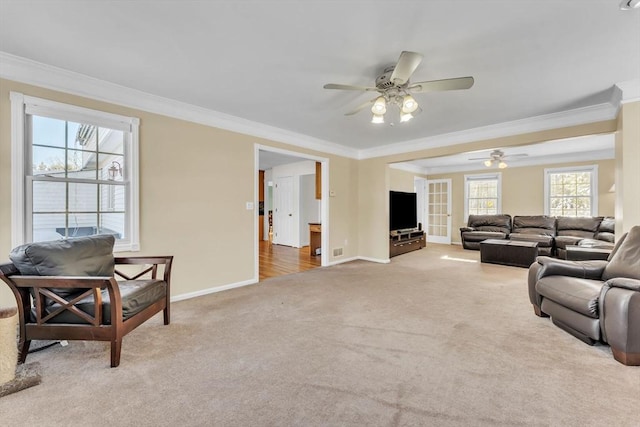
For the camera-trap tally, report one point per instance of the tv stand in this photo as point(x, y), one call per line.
point(401, 242)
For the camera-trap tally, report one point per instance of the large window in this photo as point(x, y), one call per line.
point(571, 191)
point(482, 194)
point(78, 174)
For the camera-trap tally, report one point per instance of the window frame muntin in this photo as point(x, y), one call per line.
point(23, 105)
point(593, 169)
point(497, 176)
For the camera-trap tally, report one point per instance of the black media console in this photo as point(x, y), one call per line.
point(401, 242)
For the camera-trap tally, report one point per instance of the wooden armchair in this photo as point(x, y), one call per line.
point(85, 307)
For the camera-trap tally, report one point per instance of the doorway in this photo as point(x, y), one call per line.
point(286, 193)
point(435, 201)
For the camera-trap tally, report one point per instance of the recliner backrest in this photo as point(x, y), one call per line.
point(606, 230)
point(535, 224)
point(625, 258)
point(578, 226)
point(499, 222)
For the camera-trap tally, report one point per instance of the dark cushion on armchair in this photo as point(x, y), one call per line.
point(80, 256)
point(135, 295)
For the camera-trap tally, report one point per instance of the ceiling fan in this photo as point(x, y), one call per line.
point(395, 89)
point(496, 157)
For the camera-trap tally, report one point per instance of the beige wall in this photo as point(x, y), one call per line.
point(189, 210)
point(523, 191)
point(401, 180)
point(628, 168)
point(374, 181)
point(188, 207)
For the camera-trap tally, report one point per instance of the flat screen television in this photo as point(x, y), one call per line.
point(403, 213)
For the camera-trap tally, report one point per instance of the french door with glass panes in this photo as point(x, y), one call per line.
point(438, 206)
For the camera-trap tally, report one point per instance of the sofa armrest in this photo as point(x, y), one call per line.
point(463, 229)
point(560, 267)
point(624, 283)
point(619, 308)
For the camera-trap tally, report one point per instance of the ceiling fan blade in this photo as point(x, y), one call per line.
point(407, 64)
point(360, 107)
point(516, 155)
point(480, 158)
point(349, 87)
point(445, 84)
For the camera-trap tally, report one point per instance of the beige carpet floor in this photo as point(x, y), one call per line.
point(433, 339)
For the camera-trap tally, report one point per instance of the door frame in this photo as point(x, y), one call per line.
point(324, 202)
point(425, 210)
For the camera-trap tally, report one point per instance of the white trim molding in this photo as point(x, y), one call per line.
point(27, 71)
point(31, 72)
point(21, 107)
point(593, 169)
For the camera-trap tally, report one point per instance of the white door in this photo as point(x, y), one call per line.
point(284, 218)
point(438, 227)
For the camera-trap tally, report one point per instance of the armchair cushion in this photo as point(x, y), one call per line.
point(80, 256)
point(136, 295)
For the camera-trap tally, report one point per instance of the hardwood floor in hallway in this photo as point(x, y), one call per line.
point(277, 260)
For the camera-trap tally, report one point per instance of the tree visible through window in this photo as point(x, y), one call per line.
point(482, 194)
point(571, 192)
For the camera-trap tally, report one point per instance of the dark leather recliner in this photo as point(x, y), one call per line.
point(594, 300)
point(571, 230)
point(483, 227)
point(537, 228)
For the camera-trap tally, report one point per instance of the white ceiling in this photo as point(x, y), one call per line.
point(266, 61)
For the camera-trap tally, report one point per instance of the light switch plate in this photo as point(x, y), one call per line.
point(249, 206)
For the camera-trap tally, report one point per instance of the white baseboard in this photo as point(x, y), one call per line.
point(378, 260)
point(213, 290)
point(208, 291)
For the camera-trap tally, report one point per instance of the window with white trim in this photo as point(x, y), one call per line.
point(482, 194)
point(75, 173)
point(571, 191)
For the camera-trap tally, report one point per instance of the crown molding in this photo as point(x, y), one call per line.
point(409, 167)
point(578, 116)
point(586, 156)
point(38, 74)
point(628, 91)
point(27, 71)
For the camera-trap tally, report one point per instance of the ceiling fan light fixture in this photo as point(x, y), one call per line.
point(488, 163)
point(409, 105)
point(377, 118)
point(502, 165)
point(405, 117)
point(379, 107)
point(630, 4)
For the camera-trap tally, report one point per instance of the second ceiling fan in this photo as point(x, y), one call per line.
point(395, 89)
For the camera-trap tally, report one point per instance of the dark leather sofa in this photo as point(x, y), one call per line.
point(538, 228)
point(596, 301)
point(553, 234)
point(483, 227)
